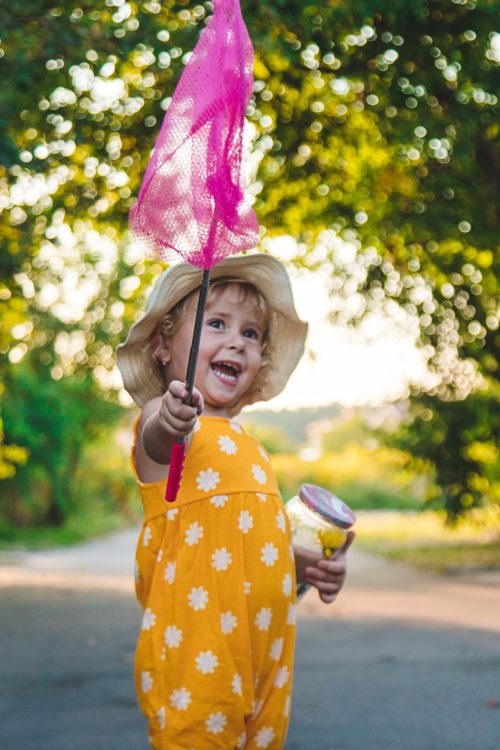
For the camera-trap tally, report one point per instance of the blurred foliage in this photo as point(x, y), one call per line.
point(376, 132)
point(274, 439)
point(348, 432)
point(55, 422)
point(422, 539)
point(367, 479)
point(461, 439)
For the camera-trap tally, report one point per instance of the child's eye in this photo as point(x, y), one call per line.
point(251, 333)
point(216, 323)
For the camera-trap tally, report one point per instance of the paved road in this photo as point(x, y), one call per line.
point(403, 661)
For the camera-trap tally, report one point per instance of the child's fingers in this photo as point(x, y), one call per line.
point(326, 587)
point(351, 535)
point(180, 427)
point(177, 389)
point(178, 417)
point(321, 580)
point(325, 584)
point(175, 399)
point(183, 411)
point(328, 576)
point(327, 598)
point(335, 572)
point(197, 401)
point(179, 410)
point(179, 392)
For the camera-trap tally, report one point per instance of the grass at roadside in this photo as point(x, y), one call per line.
point(446, 558)
point(422, 539)
point(80, 527)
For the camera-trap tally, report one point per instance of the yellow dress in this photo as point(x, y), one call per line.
point(215, 577)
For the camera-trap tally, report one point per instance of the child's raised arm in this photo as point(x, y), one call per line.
point(162, 420)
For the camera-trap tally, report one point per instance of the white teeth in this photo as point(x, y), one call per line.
point(224, 376)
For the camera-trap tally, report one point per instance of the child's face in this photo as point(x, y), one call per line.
point(230, 349)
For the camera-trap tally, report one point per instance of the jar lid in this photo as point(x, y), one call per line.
point(327, 505)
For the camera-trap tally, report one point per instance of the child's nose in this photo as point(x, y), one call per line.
point(236, 340)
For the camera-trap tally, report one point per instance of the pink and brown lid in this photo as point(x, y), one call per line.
point(327, 505)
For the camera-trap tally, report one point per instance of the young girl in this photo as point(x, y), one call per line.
point(215, 570)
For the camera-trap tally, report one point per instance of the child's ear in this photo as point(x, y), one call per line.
point(160, 348)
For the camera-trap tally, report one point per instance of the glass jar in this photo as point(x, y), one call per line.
point(319, 522)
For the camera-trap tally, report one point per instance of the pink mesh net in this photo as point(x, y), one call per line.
point(191, 201)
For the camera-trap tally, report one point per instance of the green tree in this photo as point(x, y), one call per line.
point(376, 127)
point(460, 439)
point(54, 421)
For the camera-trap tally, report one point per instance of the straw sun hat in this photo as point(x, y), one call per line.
point(143, 376)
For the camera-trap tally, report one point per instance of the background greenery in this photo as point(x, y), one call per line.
point(375, 124)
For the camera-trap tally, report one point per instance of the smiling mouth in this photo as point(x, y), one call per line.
point(227, 372)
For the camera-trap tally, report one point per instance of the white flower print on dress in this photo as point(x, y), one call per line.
point(206, 661)
point(221, 559)
point(137, 572)
point(276, 649)
point(264, 454)
point(146, 682)
point(235, 426)
point(263, 618)
point(286, 712)
point(198, 598)
point(194, 533)
point(228, 622)
point(148, 619)
point(219, 500)
point(227, 445)
point(159, 555)
point(197, 425)
point(292, 614)
point(259, 474)
point(216, 723)
point(207, 480)
point(236, 683)
point(170, 572)
point(146, 537)
point(247, 586)
point(269, 554)
point(287, 584)
point(262, 497)
point(245, 521)
point(264, 737)
point(242, 741)
point(171, 514)
point(280, 521)
point(180, 699)
point(257, 707)
point(173, 636)
point(160, 715)
point(282, 676)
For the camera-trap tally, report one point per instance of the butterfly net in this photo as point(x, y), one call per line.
point(191, 201)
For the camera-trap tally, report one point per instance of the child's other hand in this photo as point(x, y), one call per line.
point(328, 576)
point(177, 417)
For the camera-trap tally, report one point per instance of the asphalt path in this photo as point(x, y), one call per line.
point(403, 660)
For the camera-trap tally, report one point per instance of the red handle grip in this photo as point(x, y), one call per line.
point(176, 468)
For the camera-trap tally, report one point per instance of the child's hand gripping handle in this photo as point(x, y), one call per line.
point(179, 447)
point(176, 468)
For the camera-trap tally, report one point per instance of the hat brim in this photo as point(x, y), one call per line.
point(142, 375)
